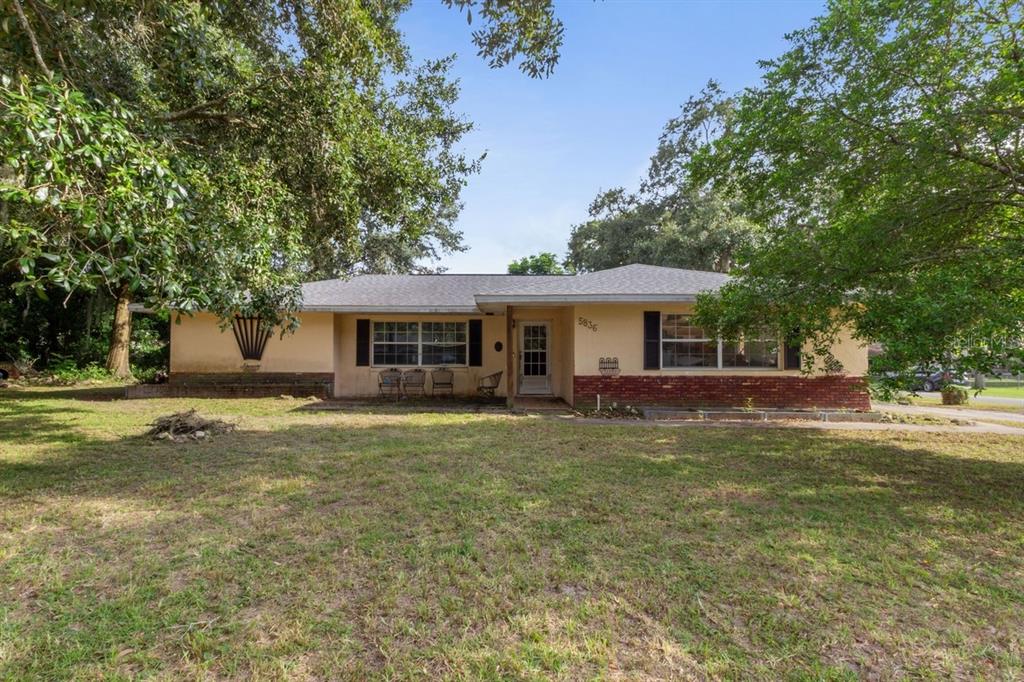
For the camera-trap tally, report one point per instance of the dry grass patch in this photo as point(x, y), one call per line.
point(401, 546)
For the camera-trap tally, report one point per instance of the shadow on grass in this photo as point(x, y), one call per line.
point(439, 525)
point(36, 421)
point(407, 406)
point(804, 466)
point(89, 393)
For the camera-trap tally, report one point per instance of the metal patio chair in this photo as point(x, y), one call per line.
point(442, 380)
point(389, 383)
point(413, 382)
point(488, 385)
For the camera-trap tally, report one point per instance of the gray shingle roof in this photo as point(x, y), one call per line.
point(467, 293)
point(414, 293)
point(628, 282)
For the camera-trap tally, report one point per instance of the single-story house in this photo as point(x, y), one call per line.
point(624, 334)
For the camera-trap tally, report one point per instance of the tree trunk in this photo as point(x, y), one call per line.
point(120, 337)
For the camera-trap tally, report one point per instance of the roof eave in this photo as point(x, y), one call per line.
point(491, 299)
point(396, 309)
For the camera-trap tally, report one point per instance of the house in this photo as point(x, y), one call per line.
point(624, 334)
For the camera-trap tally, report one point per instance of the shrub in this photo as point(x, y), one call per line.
point(954, 395)
point(67, 371)
point(149, 375)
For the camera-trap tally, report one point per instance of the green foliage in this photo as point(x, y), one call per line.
point(66, 372)
point(545, 263)
point(88, 202)
point(672, 220)
point(41, 332)
point(954, 395)
point(512, 30)
point(202, 156)
point(147, 374)
point(882, 153)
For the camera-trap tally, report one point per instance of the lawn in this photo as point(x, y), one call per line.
point(355, 545)
point(1004, 388)
point(972, 404)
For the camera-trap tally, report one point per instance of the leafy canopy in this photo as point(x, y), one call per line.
point(671, 220)
point(882, 153)
point(213, 155)
point(545, 263)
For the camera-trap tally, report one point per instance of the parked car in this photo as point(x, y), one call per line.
point(934, 379)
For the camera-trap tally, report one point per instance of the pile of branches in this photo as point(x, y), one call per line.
point(183, 426)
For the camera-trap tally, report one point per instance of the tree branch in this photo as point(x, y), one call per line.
point(195, 111)
point(32, 39)
point(957, 152)
point(202, 110)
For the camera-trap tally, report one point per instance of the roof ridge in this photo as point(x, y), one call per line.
point(652, 265)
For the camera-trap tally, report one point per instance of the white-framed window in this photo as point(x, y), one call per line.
point(756, 353)
point(686, 346)
point(411, 344)
point(443, 343)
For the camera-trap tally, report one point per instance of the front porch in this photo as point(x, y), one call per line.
point(530, 347)
point(539, 346)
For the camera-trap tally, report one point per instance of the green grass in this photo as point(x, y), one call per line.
point(1004, 388)
point(404, 546)
point(971, 405)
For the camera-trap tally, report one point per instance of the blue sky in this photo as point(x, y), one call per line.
point(625, 69)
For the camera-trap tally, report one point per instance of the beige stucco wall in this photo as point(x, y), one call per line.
point(620, 333)
point(198, 344)
point(852, 353)
point(353, 381)
point(561, 344)
point(325, 342)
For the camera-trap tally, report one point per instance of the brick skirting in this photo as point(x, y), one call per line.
point(321, 391)
point(237, 385)
point(849, 393)
point(248, 378)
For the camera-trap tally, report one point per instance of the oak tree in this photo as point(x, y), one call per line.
point(671, 220)
point(213, 155)
point(883, 155)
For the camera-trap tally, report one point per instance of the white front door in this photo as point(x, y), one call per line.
point(534, 358)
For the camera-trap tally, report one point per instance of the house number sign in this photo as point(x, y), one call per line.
point(589, 324)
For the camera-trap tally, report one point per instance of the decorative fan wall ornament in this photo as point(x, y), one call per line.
point(251, 334)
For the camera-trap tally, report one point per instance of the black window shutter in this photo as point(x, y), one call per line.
point(476, 343)
point(792, 359)
point(652, 339)
point(362, 343)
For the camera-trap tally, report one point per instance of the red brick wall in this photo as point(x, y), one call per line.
point(238, 385)
point(248, 378)
point(226, 391)
point(724, 391)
